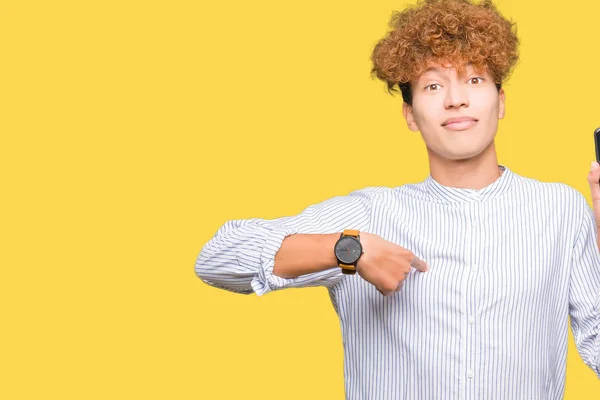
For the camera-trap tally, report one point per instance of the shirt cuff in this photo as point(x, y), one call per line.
point(265, 281)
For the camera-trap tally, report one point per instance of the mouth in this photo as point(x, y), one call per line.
point(460, 125)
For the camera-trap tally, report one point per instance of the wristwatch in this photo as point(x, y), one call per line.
point(348, 250)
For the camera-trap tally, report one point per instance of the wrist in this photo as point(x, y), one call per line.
point(348, 250)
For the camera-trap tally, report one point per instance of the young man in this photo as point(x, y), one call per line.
point(460, 286)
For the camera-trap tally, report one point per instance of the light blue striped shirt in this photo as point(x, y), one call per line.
point(508, 265)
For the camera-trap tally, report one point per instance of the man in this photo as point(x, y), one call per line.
point(460, 286)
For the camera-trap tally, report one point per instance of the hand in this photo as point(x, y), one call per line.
point(386, 265)
point(593, 178)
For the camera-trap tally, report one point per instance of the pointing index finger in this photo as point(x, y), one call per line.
point(419, 264)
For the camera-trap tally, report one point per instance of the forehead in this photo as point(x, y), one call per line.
point(445, 69)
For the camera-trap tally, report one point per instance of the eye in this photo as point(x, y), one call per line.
point(475, 78)
point(431, 87)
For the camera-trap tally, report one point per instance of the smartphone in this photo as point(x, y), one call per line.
point(597, 142)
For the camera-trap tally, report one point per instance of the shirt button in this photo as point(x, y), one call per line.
point(470, 374)
point(471, 320)
point(474, 221)
point(474, 268)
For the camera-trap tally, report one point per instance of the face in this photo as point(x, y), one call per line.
point(456, 115)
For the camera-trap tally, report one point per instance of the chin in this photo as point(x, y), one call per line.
point(460, 155)
point(461, 149)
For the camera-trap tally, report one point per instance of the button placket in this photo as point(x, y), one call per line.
point(471, 291)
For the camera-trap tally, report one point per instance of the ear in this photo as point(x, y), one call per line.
point(501, 99)
point(409, 117)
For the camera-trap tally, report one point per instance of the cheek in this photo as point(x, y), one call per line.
point(491, 119)
point(427, 115)
point(487, 104)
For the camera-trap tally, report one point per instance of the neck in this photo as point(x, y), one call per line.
point(472, 173)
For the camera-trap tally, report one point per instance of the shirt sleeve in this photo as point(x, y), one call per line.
point(584, 293)
point(240, 256)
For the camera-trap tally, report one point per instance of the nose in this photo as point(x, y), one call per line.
point(456, 96)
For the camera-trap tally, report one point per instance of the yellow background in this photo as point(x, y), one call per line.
point(131, 130)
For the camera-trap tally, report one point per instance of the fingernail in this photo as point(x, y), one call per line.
point(594, 165)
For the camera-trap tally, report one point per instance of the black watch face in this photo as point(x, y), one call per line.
point(348, 250)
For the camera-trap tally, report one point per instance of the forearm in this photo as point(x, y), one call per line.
point(259, 255)
point(302, 254)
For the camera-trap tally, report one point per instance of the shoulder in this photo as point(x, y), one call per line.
point(371, 197)
point(370, 192)
point(555, 193)
point(559, 199)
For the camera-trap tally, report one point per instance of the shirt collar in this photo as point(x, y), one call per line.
point(447, 195)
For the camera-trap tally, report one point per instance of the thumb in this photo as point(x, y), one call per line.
point(419, 264)
point(593, 178)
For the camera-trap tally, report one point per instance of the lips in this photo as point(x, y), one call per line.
point(458, 120)
point(459, 124)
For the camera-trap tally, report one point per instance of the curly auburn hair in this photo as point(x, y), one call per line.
point(456, 32)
